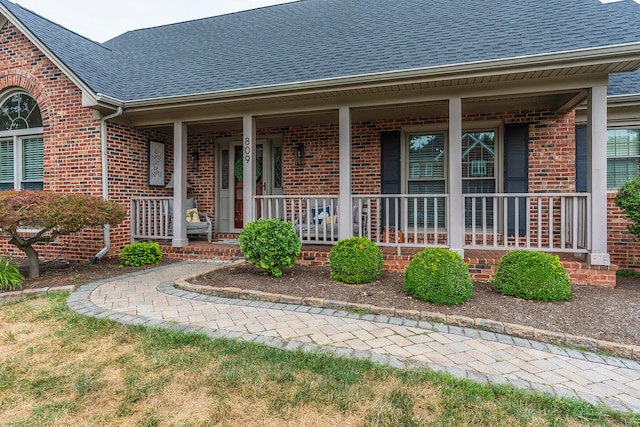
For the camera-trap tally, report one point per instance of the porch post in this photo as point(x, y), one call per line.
point(597, 173)
point(180, 239)
point(249, 168)
point(345, 218)
point(455, 225)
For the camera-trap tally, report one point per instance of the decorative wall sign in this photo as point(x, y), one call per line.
point(155, 164)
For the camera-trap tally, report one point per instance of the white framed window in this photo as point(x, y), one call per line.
point(478, 162)
point(623, 156)
point(21, 143)
point(427, 174)
point(479, 172)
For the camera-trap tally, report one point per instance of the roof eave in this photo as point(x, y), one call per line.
point(584, 57)
point(625, 99)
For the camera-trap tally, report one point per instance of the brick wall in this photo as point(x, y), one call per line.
point(202, 179)
point(71, 135)
point(128, 151)
point(622, 246)
point(72, 156)
point(552, 152)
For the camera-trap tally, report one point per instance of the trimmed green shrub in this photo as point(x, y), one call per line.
point(270, 244)
point(10, 276)
point(533, 276)
point(438, 276)
point(140, 253)
point(355, 260)
point(628, 200)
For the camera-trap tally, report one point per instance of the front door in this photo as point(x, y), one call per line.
point(238, 182)
point(230, 181)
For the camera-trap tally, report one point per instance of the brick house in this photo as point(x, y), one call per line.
point(313, 109)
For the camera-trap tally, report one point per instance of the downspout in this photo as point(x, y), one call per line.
point(105, 181)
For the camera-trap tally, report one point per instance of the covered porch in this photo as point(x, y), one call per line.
point(381, 161)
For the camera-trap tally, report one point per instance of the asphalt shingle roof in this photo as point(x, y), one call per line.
point(624, 83)
point(322, 39)
point(96, 65)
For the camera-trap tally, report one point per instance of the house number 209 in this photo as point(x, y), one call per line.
point(247, 150)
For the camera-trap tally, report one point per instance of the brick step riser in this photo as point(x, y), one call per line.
point(483, 269)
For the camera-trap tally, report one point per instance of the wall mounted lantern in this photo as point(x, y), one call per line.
point(195, 160)
point(299, 154)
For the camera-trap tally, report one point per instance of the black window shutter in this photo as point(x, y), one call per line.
point(390, 162)
point(581, 158)
point(390, 173)
point(516, 171)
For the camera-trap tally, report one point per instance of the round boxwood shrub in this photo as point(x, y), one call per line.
point(438, 276)
point(533, 276)
point(140, 253)
point(355, 260)
point(270, 244)
point(628, 200)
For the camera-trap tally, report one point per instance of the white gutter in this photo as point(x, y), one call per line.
point(632, 98)
point(105, 181)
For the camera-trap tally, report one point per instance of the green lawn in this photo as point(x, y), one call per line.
point(61, 368)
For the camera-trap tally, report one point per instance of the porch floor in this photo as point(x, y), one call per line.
point(482, 263)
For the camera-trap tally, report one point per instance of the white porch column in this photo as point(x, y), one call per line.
point(180, 239)
point(456, 201)
point(249, 168)
point(345, 221)
point(597, 173)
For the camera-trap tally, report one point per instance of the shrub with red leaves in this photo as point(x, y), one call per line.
point(51, 215)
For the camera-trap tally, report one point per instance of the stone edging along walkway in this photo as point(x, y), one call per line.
point(519, 331)
point(36, 292)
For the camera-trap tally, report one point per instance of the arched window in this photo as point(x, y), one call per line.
point(21, 143)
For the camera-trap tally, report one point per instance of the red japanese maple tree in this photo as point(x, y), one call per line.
point(48, 215)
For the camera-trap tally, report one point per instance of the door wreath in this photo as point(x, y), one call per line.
point(239, 170)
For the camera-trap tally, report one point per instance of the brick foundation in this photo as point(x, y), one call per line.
point(482, 264)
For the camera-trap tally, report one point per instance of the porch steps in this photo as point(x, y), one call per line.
point(482, 264)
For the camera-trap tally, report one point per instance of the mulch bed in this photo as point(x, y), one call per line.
point(611, 314)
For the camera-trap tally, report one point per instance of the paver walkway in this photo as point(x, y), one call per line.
point(149, 298)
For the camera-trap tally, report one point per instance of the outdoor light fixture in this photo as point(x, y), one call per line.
point(300, 154)
point(195, 159)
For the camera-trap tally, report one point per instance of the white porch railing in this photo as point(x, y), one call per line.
point(406, 220)
point(150, 218)
point(389, 220)
point(558, 222)
point(314, 217)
